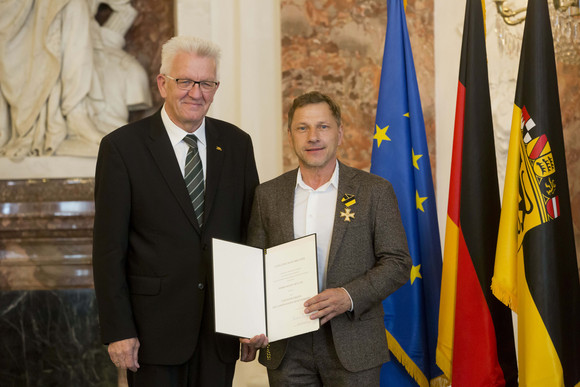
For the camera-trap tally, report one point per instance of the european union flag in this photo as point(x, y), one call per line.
point(400, 155)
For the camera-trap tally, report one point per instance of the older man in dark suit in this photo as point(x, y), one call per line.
point(362, 254)
point(164, 187)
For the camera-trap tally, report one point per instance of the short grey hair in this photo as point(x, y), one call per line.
point(190, 45)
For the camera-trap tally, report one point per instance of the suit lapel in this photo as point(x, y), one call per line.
point(285, 201)
point(164, 156)
point(215, 161)
point(345, 186)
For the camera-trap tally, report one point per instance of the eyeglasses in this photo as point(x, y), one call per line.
point(188, 84)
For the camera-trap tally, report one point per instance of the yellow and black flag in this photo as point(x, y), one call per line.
point(536, 272)
point(476, 342)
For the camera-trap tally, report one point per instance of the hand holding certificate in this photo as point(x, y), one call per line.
point(263, 291)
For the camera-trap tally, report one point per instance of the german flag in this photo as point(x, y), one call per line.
point(536, 272)
point(476, 343)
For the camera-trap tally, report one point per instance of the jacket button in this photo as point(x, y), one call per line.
point(200, 286)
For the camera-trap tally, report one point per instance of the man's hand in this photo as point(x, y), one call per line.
point(328, 304)
point(250, 346)
point(123, 353)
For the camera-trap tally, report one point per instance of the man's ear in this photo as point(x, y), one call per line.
point(161, 85)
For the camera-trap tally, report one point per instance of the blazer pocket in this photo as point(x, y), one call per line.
point(145, 286)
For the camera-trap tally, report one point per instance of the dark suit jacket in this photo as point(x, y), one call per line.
point(368, 257)
point(151, 260)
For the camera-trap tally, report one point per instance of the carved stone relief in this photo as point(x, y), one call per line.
point(65, 80)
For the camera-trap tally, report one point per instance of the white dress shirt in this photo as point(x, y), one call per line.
point(314, 211)
point(176, 136)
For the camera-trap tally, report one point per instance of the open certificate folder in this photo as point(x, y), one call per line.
point(263, 291)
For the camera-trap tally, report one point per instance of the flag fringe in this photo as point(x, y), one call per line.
point(506, 297)
point(444, 363)
point(440, 381)
point(409, 364)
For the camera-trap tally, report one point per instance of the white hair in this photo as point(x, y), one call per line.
point(190, 45)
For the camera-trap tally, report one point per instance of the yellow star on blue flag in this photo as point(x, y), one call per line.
point(419, 200)
point(381, 134)
point(415, 158)
point(415, 273)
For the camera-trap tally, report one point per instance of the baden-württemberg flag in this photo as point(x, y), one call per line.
point(536, 272)
point(400, 155)
point(476, 341)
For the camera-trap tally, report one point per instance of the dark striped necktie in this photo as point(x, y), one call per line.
point(194, 176)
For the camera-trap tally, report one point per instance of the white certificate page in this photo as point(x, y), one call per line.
point(238, 273)
point(291, 279)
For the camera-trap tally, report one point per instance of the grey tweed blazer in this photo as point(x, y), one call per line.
point(368, 257)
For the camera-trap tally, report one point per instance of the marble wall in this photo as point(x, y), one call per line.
point(569, 86)
point(46, 234)
point(48, 316)
point(51, 338)
point(153, 27)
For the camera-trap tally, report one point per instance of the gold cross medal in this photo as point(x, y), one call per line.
point(346, 214)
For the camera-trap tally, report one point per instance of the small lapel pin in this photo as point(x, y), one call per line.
point(347, 215)
point(348, 200)
point(218, 148)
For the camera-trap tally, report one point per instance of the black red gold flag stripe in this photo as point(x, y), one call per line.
point(476, 344)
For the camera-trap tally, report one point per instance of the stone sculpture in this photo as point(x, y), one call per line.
point(65, 80)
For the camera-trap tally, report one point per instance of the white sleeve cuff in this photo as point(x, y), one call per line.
point(351, 303)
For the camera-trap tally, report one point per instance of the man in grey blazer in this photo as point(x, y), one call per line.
point(361, 248)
